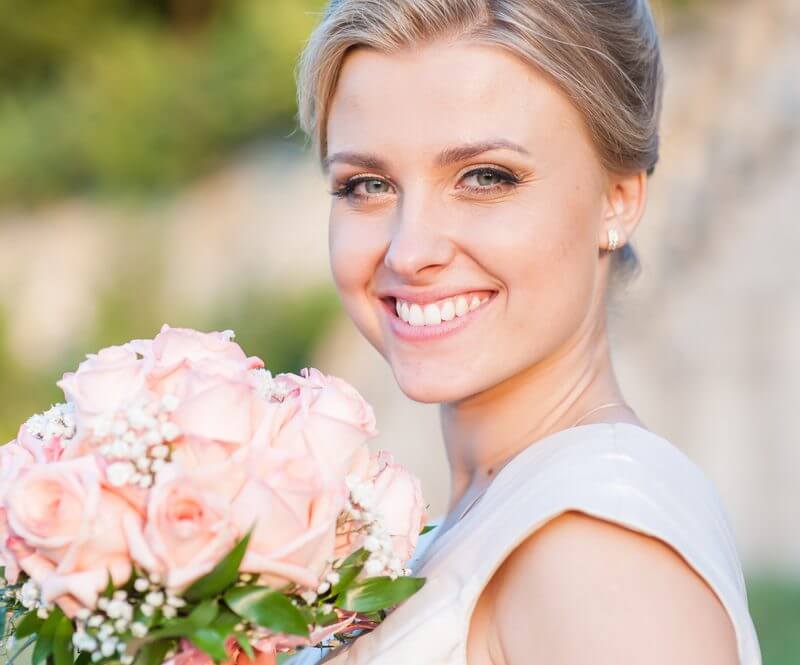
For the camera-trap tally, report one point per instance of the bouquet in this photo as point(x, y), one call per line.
point(185, 505)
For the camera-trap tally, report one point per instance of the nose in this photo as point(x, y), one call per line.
point(418, 244)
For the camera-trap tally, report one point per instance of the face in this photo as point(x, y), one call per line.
point(468, 202)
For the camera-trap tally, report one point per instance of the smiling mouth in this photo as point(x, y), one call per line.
point(434, 314)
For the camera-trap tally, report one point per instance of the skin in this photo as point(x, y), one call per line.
point(535, 358)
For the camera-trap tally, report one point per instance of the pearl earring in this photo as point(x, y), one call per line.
point(613, 239)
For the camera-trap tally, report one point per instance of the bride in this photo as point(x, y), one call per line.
point(489, 162)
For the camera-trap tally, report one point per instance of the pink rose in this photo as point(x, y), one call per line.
point(14, 458)
point(325, 417)
point(68, 532)
point(103, 383)
point(46, 449)
point(195, 453)
point(189, 528)
point(294, 510)
point(173, 345)
point(219, 409)
point(399, 503)
point(176, 350)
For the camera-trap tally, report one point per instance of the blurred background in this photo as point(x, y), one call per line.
point(151, 171)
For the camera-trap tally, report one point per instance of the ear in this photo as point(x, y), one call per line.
point(626, 197)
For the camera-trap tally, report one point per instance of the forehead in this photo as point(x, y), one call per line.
point(443, 93)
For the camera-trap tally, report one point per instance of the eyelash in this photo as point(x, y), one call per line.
point(347, 189)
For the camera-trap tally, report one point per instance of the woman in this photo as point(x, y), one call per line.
point(489, 161)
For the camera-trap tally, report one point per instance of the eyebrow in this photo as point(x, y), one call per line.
point(446, 157)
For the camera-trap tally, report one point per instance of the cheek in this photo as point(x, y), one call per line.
point(356, 250)
point(354, 255)
point(546, 255)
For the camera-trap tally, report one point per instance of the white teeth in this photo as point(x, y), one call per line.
point(415, 316)
point(433, 317)
point(432, 314)
point(448, 310)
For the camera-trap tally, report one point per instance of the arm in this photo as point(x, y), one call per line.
point(584, 590)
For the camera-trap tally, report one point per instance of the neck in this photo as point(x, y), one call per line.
point(485, 431)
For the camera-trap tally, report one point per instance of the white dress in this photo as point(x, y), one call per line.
point(619, 472)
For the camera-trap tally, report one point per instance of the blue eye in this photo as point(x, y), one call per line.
point(348, 189)
point(489, 179)
point(497, 179)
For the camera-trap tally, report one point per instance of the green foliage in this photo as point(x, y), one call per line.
point(775, 608)
point(49, 635)
point(244, 642)
point(29, 624)
point(210, 641)
point(349, 570)
point(267, 608)
point(127, 97)
point(224, 574)
point(63, 651)
point(153, 653)
point(201, 616)
point(377, 593)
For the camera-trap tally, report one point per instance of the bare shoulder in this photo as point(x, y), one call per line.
point(582, 589)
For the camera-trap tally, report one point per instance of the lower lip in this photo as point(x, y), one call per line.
point(409, 333)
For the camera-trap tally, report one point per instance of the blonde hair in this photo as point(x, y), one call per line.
point(604, 56)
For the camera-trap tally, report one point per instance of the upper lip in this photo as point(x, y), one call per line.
point(429, 295)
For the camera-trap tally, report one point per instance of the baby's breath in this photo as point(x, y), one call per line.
point(135, 441)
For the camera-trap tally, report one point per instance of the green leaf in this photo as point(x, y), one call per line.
point(44, 644)
point(225, 573)
point(378, 593)
point(63, 651)
point(28, 625)
point(267, 608)
point(200, 617)
point(349, 570)
point(326, 618)
point(427, 529)
point(210, 641)
point(177, 628)
point(152, 653)
point(212, 638)
point(84, 658)
point(225, 622)
point(244, 642)
point(109, 590)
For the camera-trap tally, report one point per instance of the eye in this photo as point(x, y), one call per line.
point(489, 180)
point(372, 187)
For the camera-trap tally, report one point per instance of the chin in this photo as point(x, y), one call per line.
point(432, 389)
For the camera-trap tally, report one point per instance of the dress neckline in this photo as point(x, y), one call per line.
point(435, 546)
